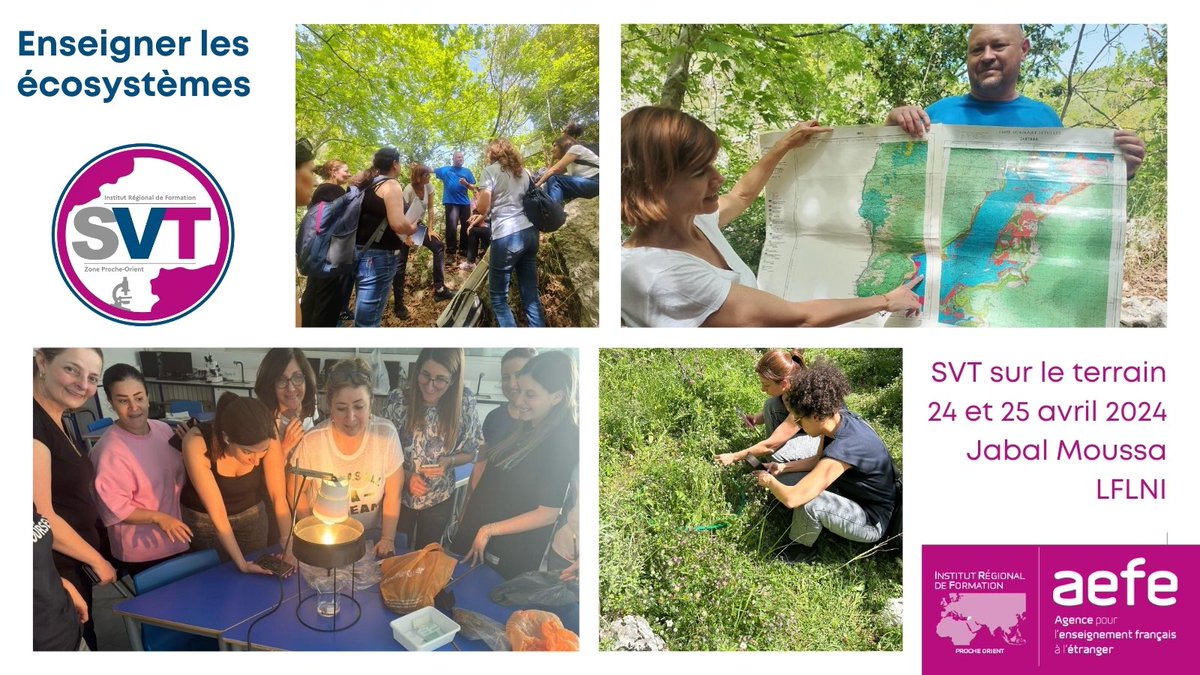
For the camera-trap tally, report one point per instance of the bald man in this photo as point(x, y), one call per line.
point(995, 53)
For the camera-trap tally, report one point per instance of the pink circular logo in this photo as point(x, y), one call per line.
point(143, 234)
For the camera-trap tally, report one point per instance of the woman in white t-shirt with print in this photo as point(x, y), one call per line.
point(355, 445)
point(576, 170)
point(514, 238)
point(418, 203)
point(676, 268)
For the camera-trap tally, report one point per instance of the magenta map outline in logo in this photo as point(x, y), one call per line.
point(178, 288)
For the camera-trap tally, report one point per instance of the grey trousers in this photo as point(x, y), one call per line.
point(249, 528)
point(802, 446)
point(829, 511)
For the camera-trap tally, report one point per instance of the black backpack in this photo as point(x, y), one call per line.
point(546, 214)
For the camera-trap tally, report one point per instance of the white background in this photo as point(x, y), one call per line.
point(247, 144)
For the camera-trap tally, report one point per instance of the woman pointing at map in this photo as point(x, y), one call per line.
point(677, 269)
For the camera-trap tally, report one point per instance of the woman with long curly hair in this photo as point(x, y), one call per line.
point(514, 238)
point(849, 487)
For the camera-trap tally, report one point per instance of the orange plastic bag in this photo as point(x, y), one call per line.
point(532, 630)
point(411, 581)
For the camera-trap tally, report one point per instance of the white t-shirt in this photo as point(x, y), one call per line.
point(508, 215)
point(417, 208)
point(377, 457)
point(665, 288)
point(582, 170)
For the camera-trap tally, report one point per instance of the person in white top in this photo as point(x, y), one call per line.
point(676, 267)
point(418, 201)
point(576, 171)
point(356, 446)
point(514, 238)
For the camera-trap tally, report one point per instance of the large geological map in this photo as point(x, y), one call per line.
point(1010, 227)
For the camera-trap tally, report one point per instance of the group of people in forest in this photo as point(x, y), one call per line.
point(147, 493)
point(480, 214)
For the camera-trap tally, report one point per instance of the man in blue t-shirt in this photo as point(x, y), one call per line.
point(457, 205)
point(995, 53)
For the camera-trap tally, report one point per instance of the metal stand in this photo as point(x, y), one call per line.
point(314, 598)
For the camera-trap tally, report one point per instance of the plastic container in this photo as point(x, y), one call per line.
point(424, 630)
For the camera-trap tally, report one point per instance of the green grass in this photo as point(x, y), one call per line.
point(664, 414)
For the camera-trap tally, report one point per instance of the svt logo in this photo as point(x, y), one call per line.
point(95, 222)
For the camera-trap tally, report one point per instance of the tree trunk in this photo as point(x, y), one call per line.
point(675, 86)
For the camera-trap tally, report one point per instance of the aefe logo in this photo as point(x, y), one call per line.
point(142, 234)
point(1101, 586)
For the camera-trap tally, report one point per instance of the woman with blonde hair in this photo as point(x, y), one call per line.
point(677, 269)
point(64, 380)
point(514, 239)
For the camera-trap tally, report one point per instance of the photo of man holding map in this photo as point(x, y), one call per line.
point(1018, 171)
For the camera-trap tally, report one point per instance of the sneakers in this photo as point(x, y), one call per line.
point(402, 313)
point(797, 554)
point(444, 293)
point(466, 265)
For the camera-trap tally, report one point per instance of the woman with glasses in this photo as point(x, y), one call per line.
point(358, 447)
point(228, 467)
point(287, 385)
point(439, 430)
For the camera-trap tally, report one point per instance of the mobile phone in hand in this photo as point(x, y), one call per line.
point(275, 565)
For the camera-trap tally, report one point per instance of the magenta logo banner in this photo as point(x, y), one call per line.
point(142, 234)
point(1058, 609)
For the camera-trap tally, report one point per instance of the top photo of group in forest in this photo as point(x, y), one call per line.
point(447, 175)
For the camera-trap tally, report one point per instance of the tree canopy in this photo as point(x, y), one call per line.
point(432, 89)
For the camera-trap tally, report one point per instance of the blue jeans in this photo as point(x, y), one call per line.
point(563, 188)
point(376, 268)
point(516, 251)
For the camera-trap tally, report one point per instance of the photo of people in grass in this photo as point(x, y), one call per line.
point(750, 499)
point(459, 175)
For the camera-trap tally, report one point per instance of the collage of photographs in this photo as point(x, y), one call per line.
point(611, 485)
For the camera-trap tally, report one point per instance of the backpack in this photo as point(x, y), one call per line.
point(595, 148)
point(466, 308)
point(325, 241)
point(546, 214)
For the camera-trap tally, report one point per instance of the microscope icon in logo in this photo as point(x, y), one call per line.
point(121, 295)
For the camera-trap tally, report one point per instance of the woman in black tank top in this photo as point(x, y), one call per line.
point(227, 472)
point(66, 379)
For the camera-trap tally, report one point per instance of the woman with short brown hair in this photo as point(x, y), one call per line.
point(677, 269)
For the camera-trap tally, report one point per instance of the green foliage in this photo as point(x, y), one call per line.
point(744, 79)
point(431, 89)
point(664, 414)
